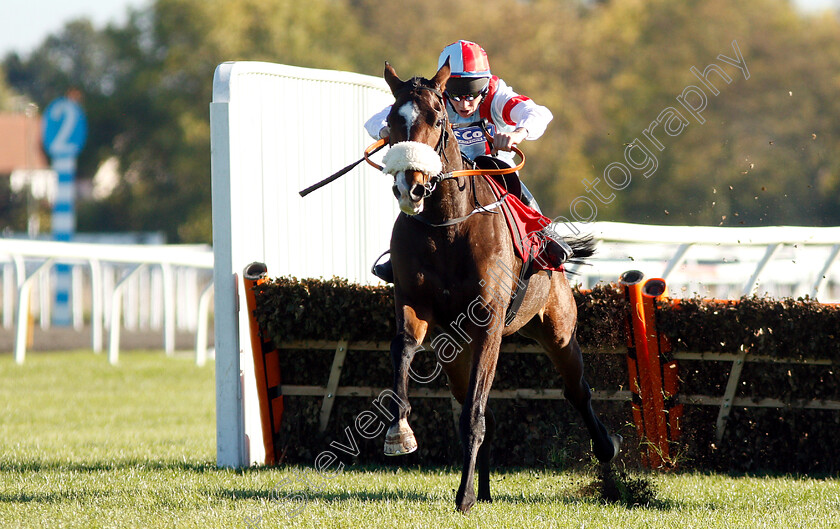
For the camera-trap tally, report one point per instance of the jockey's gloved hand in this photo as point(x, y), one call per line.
point(504, 141)
point(384, 132)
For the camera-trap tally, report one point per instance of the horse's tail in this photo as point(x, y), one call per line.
point(582, 248)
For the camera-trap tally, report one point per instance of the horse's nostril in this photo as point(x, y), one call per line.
point(417, 192)
point(396, 191)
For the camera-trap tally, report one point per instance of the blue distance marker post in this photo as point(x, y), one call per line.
point(65, 132)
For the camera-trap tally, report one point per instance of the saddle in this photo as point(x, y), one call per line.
point(526, 228)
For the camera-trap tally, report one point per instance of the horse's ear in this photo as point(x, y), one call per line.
point(442, 75)
point(391, 78)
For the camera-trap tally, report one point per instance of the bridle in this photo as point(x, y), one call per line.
point(442, 118)
point(442, 144)
point(440, 148)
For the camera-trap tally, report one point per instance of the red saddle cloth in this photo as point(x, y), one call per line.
point(525, 225)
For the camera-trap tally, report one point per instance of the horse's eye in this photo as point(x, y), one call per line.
point(439, 123)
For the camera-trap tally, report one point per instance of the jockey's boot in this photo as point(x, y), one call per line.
point(384, 271)
point(557, 251)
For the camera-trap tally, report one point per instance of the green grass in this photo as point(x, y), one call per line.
point(84, 444)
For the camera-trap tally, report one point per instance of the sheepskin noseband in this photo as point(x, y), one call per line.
point(412, 156)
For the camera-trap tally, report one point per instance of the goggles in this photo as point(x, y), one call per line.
point(466, 97)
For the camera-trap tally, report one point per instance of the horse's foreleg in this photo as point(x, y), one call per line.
point(400, 440)
point(473, 423)
point(484, 457)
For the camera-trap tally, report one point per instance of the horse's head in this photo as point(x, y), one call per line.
point(418, 128)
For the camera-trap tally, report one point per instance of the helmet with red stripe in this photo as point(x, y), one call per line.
point(466, 59)
point(469, 65)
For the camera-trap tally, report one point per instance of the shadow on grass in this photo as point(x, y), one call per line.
point(574, 497)
point(105, 466)
point(330, 497)
point(570, 497)
point(630, 492)
point(52, 497)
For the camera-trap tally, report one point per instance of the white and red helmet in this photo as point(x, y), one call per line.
point(469, 65)
point(466, 59)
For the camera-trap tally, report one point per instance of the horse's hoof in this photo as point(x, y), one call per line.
point(617, 439)
point(464, 499)
point(400, 439)
point(465, 506)
point(605, 454)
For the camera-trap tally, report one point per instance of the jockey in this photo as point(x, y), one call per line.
point(479, 105)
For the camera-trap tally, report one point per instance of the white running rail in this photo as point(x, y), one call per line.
point(713, 262)
point(26, 261)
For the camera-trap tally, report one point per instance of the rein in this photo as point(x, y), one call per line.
point(434, 180)
point(452, 174)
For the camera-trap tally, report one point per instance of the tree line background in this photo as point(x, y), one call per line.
point(767, 154)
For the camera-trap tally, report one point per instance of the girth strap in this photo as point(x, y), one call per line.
point(519, 291)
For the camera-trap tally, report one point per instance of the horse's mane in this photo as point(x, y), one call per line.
point(415, 83)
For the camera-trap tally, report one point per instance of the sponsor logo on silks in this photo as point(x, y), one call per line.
point(468, 136)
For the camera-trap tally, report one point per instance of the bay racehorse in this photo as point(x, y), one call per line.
point(447, 253)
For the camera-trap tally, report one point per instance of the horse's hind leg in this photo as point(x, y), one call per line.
point(555, 331)
point(569, 361)
point(577, 391)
